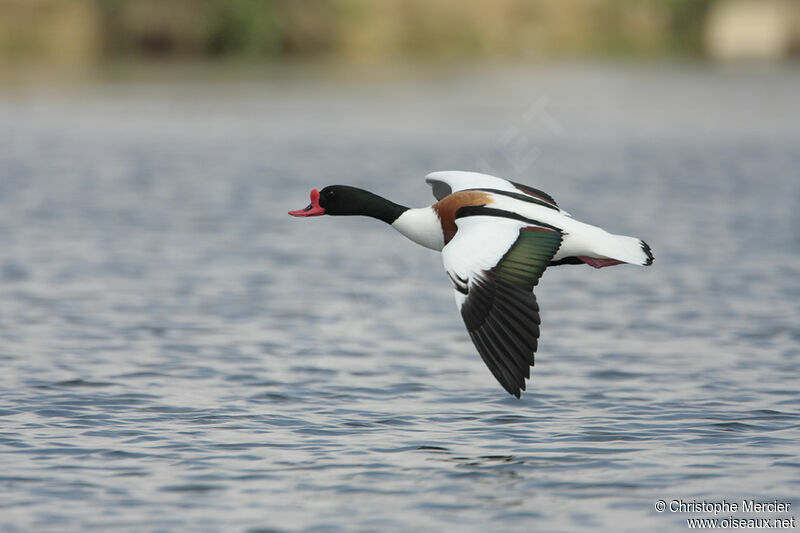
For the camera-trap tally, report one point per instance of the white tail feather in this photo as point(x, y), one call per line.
point(626, 249)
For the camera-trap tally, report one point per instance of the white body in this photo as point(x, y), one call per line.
point(422, 225)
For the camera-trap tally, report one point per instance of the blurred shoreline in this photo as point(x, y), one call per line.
point(86, 37)
point(318, 75)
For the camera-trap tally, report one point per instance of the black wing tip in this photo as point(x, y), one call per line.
point(503, 323)
point(514, 390)
point(648, 252)
point(440, 188)
point(517, 393)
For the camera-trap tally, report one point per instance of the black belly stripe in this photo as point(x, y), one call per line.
point(521, 197)
point(481, 210)
point(567, 261)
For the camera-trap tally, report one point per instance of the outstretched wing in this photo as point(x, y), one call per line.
point(494, 263)
point(449, 181)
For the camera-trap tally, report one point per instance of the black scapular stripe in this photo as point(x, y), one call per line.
point(482, 210)
point(532, 190)
point(521, 197)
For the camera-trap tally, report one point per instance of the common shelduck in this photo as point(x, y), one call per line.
point(496, 238)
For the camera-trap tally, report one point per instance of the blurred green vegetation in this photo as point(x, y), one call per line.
point(92, 31)
point(217, 28)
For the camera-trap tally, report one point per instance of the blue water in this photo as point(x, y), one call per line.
point(178, 354)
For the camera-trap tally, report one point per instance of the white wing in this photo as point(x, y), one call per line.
point(494, 263)
point(449, 181)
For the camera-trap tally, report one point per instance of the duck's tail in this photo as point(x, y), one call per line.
point(617, 249)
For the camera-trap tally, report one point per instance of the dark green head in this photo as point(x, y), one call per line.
point(343, 200)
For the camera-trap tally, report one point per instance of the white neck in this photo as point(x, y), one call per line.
point(422, 226)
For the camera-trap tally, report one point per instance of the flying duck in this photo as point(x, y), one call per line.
point(496, 237)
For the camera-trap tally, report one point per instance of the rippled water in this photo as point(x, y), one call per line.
point(179, 354)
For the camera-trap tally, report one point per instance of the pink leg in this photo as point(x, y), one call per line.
point(599, 263)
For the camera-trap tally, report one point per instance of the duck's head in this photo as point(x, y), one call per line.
point(342, 200)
